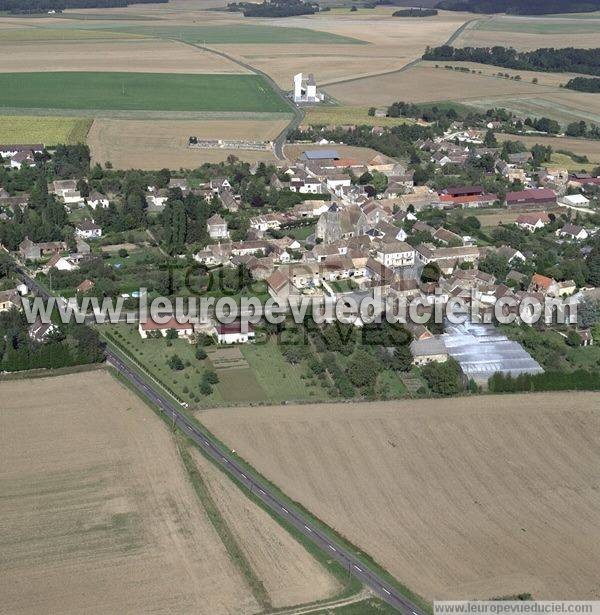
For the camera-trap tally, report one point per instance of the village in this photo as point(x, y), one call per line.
point(329, 226)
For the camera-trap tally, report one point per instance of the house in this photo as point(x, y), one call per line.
point(21, 159)
point(10, 150)
point(97, 199)
point(572, 231)
point(447, 258)
point(217, 227)
point(66, 189)
point(468, 201)
point(88, 229)
point(235, 333)
point(510, 254)
point(532, 222)
point(85, 286)
point(279, 284)
point(29, 250)
point(543, 284)
point(544, 198)
point(447, 237)
point(148, 328)
point(428, 350)
point(337, 180)
point(179, 183)
point(218, 184)
point(39, 331)
point(9, 299)
point(156, 200)
point(396, 254)
point(229, 201)
point(61, 263)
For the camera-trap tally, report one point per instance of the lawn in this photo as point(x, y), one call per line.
point(47, 130)
point(238, 34)
point(300, 233)
point(139, 91)
point(280, 380)
point(568, 163)
point(317, 116)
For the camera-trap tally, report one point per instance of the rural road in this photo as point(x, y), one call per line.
point(279, 141)
point(228, 461)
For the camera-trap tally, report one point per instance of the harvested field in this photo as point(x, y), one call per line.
point(14, 36)
point(163, 143)
point(348, 115)
point(494, 217)
point(393, 43)
point(362, 154)
point(140, 55)
point(425, 83)
point(98, 514)
point(291, 575)
point(478, 497)
point(140, 91)
point(583, 147)
point(47, 130)
point(531, 32)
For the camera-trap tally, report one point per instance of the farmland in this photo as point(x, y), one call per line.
point(154, 144)
point(98, 514)
point(532, 32)
point(139, 91)
point(46, 130)
point(479, 496)
point(348, 115)
point(136, 55)
point(583, 147)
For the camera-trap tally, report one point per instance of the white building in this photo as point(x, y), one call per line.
point(86, 229)
point(235, 333)
point(217, 227)
point(305, 89)
point(396, 254)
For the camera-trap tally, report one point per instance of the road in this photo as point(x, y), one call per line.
point(257, 485)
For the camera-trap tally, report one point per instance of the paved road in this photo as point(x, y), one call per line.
point(229, 462)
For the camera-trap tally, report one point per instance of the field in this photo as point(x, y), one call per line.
point(361, 154)
point(583, 147)
point(46, 130)
point(155, 144)
point(533, 32)
point(100, 514)
point(494, 217)
point(139, 91)
point(139, 55)
point(426, 83)
point(43, 35)
point(348, 115)
point(477, 497)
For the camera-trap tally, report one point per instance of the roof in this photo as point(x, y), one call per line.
point(533, 218)
point(535, 194)
point(464, 190)
point(541, 280)
point(215, 219)
point(87, 225)
point(172, 323)
point(395, 247)
point(11, 147)
point(428, 347)
point(571, 229)
point(323, 154)
point(234, 327)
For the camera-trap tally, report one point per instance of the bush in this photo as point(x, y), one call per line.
point(210, 377)
point(444, 378)
point(200, 353)
point(205, 388)
point(175, 362)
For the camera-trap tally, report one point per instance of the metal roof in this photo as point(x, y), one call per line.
point(323, 154)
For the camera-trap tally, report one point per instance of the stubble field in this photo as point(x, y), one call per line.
point(475, 497)
point(99, 514)
point(157, 144)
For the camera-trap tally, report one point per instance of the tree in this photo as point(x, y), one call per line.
point(495, 265)
point(573, 338)
point(210, 376)
point(205, 388)
point(402, 359)
point(200, 353)
point(362, 369)
point(175, 362)
point(123, 253)
point(379, 181)
point(431, 273)
point(588, 313)
point(490, 139)
point(443, 378)
point(175, 226)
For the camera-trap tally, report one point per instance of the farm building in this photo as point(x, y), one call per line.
point(305, 89)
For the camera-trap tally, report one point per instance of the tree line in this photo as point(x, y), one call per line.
point(520, 7)
point(584, 84)
point(274, 8)
point(419, 12)
point(568, 59)
point(43, 6)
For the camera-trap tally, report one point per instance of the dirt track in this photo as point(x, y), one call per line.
point(461, 498)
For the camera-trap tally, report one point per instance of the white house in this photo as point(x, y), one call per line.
point(235, 333)
point(20, 159)
point(572, 231)
point(334, 182)
point(183, 329)
point(396, 254)
point(217, 227)
point(87, 229)
point(97, 199)
point(532, 222)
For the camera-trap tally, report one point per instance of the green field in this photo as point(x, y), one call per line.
point(47, 130)
point(539, 26)
point(227, 35)
point(138, 91)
